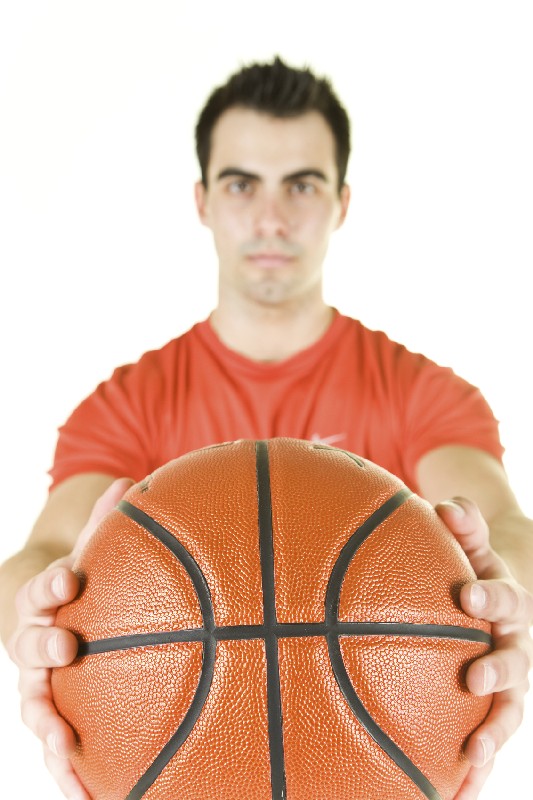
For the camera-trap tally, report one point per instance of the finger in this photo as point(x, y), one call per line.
point(37, 646)
point(465, 521)
point(474, 782)
point(65, 777)
point(504, 668)
point(498, 601)
point(40, 715)
point(34, 683)
point(106, 503)
point(503, 719)
point(46, 591)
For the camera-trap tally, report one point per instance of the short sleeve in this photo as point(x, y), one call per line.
point(441, 409)
point(109, 432)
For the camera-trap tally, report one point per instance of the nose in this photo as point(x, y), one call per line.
point(271, 217)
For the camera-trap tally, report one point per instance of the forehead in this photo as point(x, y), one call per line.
point(260, 143)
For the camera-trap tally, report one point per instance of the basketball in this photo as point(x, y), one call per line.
point(272, 620)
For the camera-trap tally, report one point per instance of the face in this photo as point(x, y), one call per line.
point(271, 202)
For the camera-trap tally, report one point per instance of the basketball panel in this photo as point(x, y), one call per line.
point(124, 706)
point(208, 500)
point(328, 753)
point(320, 496)
point(414, 690)
point(409, 570)
point(226, 755)
point(151, 589)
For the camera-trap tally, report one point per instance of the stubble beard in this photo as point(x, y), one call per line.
point(269, 292)
point(282, 291)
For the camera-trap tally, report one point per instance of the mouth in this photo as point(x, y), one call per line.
point(270, 260)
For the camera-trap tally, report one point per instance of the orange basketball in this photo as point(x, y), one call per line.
point(271, 620)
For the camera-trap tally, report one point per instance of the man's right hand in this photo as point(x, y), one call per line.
point(37, 646)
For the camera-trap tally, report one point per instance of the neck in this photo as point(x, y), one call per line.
point(265, 333)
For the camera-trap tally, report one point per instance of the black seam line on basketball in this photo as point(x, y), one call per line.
point(169, 750)
point(181, 553)
point(208, 645)
point(353, 544)
point(266, 552)
point(380, 737)
point(284, 630)
point(333, 592)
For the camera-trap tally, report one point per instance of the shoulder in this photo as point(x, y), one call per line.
point(378, 346)
point(162, 360)
point(405, 374)
point(377, 337)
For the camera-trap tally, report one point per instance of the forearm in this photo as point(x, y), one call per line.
point(13, 574)
point(54, 535)
point(511, 535)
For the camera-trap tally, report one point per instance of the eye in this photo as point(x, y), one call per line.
point(302, 187)
point(239, 186)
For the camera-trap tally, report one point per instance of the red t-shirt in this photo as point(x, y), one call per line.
point(354, 388)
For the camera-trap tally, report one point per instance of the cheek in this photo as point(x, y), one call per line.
point(230, 224)
point(229, 238)
point(318, 223)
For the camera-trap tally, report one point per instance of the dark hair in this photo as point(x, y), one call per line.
point(281, 91)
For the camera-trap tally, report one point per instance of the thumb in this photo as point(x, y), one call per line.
point(105, 503)
point(465, 521)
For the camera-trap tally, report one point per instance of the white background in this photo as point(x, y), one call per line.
point(102, 257)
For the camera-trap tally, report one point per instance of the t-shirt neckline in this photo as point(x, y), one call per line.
point(295, 363)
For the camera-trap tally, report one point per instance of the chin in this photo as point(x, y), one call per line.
point(270, 294)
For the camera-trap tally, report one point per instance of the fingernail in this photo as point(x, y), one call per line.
point(52, 648)
point(478, 597)
point(488, 749)
point(51, 741)
point(58, 586)
point(453, 506)
point(489, 680)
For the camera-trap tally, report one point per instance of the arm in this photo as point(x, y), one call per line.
point(500, 550)
point(54, 536)
point(35, 583)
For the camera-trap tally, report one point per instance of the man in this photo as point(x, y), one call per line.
point(273, 359)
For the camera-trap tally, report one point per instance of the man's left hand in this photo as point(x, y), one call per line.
point(498, 598)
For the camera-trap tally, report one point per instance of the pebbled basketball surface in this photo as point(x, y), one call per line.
point(271, 620)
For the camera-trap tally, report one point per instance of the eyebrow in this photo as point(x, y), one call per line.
point(235, 172)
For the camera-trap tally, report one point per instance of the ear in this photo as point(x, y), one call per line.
point(345, 202)
point(200, 196)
